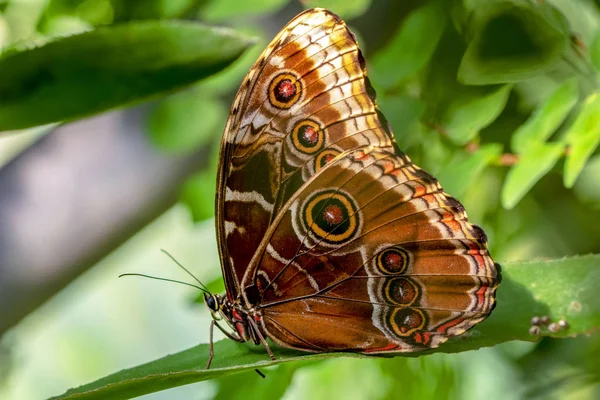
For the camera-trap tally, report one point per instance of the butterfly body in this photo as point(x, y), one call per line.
point(330, 238)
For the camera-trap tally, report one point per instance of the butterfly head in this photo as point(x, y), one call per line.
point(214, 302)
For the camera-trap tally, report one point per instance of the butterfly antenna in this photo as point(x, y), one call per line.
point(203, 287)
point(165, 279)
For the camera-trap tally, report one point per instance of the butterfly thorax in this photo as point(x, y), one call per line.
point(244, 321)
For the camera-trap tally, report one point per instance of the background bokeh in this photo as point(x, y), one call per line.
point(461, 83)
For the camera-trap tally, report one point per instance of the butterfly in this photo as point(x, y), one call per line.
point(330, 238)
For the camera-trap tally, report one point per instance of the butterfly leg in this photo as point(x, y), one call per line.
point(261, 337)
point(230, 335)
point(211, 351)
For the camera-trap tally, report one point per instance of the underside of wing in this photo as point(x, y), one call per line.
point(306, 100)
point(324, 225)
point(371, 255)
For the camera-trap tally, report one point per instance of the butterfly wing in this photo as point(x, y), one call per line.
point(306, 100)
point(371, 255)
point(324, 225)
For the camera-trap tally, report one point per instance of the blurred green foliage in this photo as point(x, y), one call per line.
point(497, 98)
point(110, 66)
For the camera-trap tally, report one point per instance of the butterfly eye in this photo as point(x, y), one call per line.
point(211, 302)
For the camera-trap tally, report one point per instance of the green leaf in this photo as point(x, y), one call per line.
point(344, 8)
point(470, 112)
point(198, 191)
point(457, 176)
point(583, 137)
point(230, 79)
point(96, 12)
point(92, 72)
point(587, 186)
point(547, 118)
point(411, 47)
point(198, 194)
point(532, 166)
point(186, 120)
point(512, 40)
point(125, 10)
point(91, 12)
point(595, 50)
point(459, 110)
point(65, 25)
point(232, 387)
point(224, 10)
point(403, 114)
point(433, 150)
point(561, 289)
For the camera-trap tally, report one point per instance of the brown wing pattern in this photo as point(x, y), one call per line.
point(324, 226)
point(305, 100)
point(372, 249)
